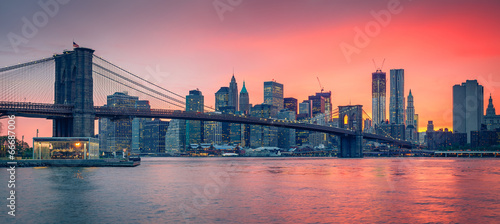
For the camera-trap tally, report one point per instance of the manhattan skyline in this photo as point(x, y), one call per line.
point(186, 45)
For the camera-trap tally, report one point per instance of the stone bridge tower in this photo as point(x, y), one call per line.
point(74, 86)
point(351, 117)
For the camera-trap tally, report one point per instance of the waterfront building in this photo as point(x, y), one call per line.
point(263, 135)
point(397, 98)
point(213, 131)
point(65, 148)
point(468, 107)
point(116, 135)
point(378, 97)
point(138, 137)
point(175, 138)
point(154, 136)
point(442, 139)
point(491, 119)
point(286, 136)
point(194, 129)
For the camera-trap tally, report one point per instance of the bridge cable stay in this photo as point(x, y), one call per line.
point(150, 83)
point(137, 84)
point(28, 82)
point(137, 89)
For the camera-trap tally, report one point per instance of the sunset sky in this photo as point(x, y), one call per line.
point(192, 44)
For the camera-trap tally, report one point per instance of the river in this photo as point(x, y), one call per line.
point(261, 190)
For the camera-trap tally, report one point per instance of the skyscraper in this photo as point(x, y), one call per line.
point(378, 97)
point(410, 111)
point(328, 103)
point(244, 100)
point(233, 94)
point(116, 135)
point(273, 95)
point(194, 129)
point(411, 129)
point(290, 103)
point(468, 107)
point(397, 102)
point(221, 98)
point(318, 104)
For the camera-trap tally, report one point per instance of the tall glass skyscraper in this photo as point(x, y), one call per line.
point(194, 129)
point(378, 97)
point(468, 107)
point(221, 98)
point(273, 95)
point(397, 102)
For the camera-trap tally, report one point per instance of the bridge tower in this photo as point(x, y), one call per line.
point(74, 86)
point(351, 117)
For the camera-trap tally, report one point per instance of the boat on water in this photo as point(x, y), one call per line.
point(229, 154)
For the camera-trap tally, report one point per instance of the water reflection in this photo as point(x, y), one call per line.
point(267, 190)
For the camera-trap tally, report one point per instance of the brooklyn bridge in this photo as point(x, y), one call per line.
point(71, 89)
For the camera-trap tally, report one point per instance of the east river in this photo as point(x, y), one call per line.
point(261, 190)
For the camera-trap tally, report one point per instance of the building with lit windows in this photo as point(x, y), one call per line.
point(378, 97)
point(397, 98)
point(468, 107)
point(244, 100)
point(194, 129)
point(65, 148)
point(273, 95)
point(290, 104)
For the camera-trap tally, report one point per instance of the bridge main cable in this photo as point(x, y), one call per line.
point(118, 67)
point(8, 68)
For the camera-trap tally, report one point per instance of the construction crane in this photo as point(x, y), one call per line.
point(378, 69)
point(320, 86)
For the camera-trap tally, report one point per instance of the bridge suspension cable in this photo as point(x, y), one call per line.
point(148, 88)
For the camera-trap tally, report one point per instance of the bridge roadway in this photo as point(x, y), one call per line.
point(51, 111)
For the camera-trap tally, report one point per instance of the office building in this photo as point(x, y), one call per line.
point(154, 135)
point(290, 104)
point(468, 107)
point(305, 109)
point(286, 136)
point(397, 98)
point(327, 96)
point(318, 104)
point(175, 138)
point(116, 135)
point(138, 137)
point(244, 100)
point(411, 129)
point(233, 94)
point(273, 95)
point(378, 97)
point(221, 98)
point(194, 129)
point(491, 119)
point(263, 135)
